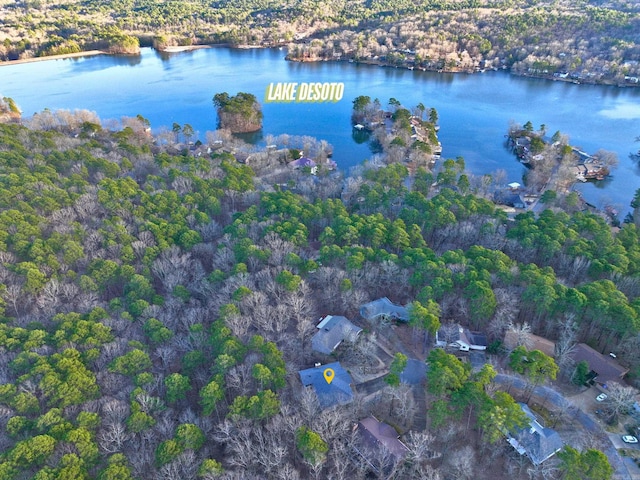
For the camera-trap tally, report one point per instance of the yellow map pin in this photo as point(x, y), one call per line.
point(329, 374)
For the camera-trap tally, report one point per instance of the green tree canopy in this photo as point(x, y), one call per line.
point(312, 447)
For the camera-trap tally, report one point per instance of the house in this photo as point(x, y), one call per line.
point(330, 394)
point(509, 197)
point(332, 331)
point(535, 441)
point(383, 309)
point(603, 368)
point(377, 435)
point(532, 342)
point(581, 172)
point(302, 162)
point(453, 335)
point(331, 164)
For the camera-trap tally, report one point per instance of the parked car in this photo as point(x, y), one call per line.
point(629, 439)
point(601, 398)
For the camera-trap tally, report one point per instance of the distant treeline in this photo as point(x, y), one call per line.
point(585, 41)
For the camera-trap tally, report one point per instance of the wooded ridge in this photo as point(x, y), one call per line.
point(158, 303)
point(574, 40)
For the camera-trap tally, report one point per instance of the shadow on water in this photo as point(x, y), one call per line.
point(103, 62)
point(166, 56)
point(375, 146)
point(360, 136)
point(252, 138)
point(602, 183)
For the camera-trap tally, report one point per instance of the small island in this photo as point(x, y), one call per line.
point(239, 114)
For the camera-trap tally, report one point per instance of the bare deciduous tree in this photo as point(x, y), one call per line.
point(462, 462)
point(566, 344)
point(620, 398)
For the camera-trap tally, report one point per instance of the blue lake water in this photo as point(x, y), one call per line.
point(474, 110)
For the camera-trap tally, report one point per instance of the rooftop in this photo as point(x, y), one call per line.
point(338, 392)
point(332, 331)
point(533, 342)
point(537, 442)
point(383, 307)
point(379, 434)
point(451, 333)
point(604, 366)
point(302, 162)
point(476, 338)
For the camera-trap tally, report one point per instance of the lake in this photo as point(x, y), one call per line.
point(474, 110)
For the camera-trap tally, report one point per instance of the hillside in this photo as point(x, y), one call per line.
point(158, 303)
point(576, 40)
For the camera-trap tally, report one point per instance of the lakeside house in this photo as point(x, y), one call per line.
point(588, 167)
point(510, 198)
point(332, 331)
point(302, 162)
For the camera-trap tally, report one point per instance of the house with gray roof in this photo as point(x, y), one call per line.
point(330, 394)
point(535, 441)
point(332, 331)
point(454, 336)
point(384, 309)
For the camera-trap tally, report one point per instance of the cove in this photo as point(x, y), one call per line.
point(474, 110)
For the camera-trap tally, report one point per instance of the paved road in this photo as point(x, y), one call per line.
point(371, 386)
point(545, 394)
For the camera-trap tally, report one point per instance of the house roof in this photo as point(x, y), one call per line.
point(476, 338)
point(512, 199)
point(537, 442)
point(302, 162)
point(379, 434)
point(338, 392)
point(534, 342)
point(452, 332)
point(384, 307)
point(448, 333)
point(604, 366)
point(333, 330)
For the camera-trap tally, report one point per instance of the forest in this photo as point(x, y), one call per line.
point(158, 304)
point(238, 113)
point(575, 40)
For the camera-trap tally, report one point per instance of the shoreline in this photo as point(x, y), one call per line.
point(182, 48)
point(363, 61)
point(188, 48)
point(548, 77)
point(88, 53)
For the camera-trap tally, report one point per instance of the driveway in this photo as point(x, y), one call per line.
point(547, 396)
point(616, 439)
point(414, 372)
